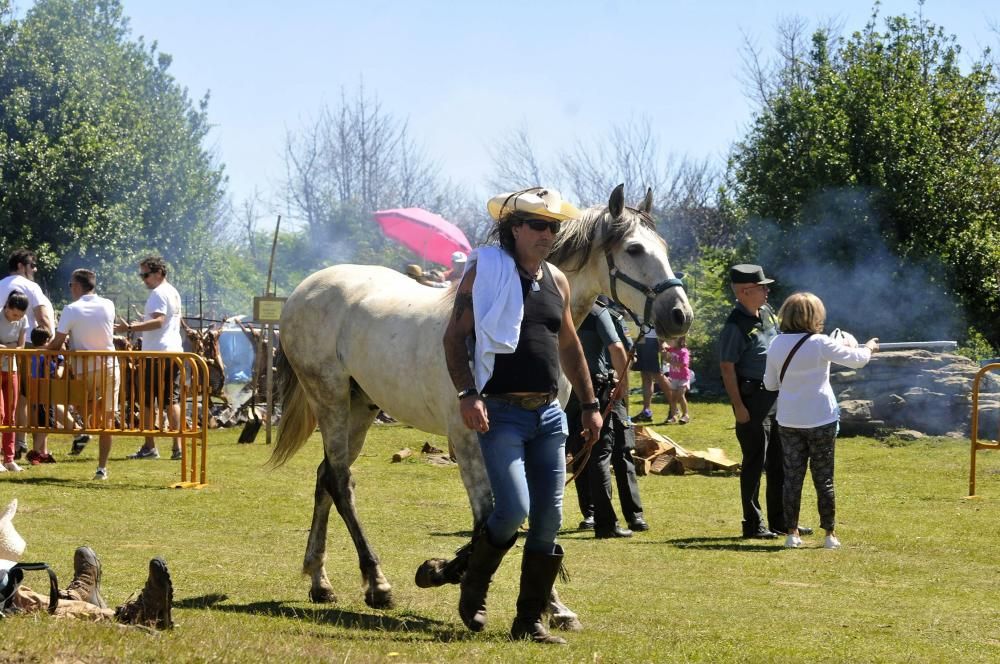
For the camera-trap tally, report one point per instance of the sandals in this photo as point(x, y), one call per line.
point(684, 419)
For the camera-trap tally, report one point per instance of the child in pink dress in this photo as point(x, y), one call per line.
point(678, 378)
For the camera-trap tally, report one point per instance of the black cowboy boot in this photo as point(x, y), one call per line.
point(152, 607)
point(86, 583)
point(538, 573)
point(483, 563)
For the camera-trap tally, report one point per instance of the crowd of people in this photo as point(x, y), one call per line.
point(515, 304)
point(87, 323)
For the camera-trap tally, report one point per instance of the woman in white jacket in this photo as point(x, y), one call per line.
point(798, 366)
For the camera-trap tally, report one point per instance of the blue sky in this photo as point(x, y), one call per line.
point(465, 73)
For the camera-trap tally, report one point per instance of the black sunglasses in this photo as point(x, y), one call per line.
point(540, 225)
point(30, 264)
point(145, 274)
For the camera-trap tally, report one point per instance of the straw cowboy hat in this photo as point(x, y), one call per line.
point(12, 545)
point(537, 201)
point(414, 271)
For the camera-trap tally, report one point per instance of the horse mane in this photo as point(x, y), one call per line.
point(575, 241)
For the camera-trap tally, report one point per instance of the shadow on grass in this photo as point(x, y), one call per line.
point(723, 544)
point(326, 615)
point(458, 533)
point(86, 482)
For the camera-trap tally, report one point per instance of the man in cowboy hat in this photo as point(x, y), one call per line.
point(515, 306)
point(745, 337)
point(82, 597)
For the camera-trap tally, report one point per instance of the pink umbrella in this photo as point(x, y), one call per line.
point(429, 235)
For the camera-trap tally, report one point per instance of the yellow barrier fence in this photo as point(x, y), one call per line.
point(67, 392)
point(976, 443)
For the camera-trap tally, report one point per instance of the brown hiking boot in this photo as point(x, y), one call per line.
point(152, 607)
point(86, 583)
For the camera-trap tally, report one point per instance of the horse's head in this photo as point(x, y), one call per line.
point(630, 265)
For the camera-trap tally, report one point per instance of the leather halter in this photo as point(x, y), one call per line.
point(649, 291)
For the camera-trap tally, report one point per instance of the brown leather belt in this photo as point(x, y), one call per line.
point(526, 401)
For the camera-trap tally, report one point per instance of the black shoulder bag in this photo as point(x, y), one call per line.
point(788, 359)
point(10, 581)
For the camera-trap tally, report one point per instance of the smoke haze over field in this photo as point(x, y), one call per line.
point(839, 254)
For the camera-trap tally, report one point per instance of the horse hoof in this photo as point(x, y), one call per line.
point(322, 595)
point(379, 599)
point(568, 623)
point(429, 573)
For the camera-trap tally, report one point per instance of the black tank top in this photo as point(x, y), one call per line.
point(534, 364)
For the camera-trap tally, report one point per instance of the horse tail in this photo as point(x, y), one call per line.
point(297, 419)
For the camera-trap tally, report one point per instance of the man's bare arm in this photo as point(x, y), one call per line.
point(44, 317)
point(56, 342)
point(461, 325)
point(571, 357)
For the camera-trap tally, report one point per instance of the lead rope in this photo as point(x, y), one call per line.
point(579, 462)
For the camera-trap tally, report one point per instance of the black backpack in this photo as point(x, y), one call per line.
point(10, 581)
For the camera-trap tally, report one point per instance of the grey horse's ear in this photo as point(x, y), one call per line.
point(616, 204)
point(647, 203)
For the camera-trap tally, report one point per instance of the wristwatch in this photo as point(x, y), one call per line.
point(468, 392)
point(593, 405)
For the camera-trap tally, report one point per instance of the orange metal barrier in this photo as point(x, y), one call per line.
point(66, 393)
point(976, 443)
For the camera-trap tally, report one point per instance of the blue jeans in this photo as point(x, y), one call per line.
point(525, 456)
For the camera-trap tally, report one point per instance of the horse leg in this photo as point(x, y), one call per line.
point(339, 483)
point(335, 486)
point(439, 571)
point(472, 469)
point(314, 564)
point(560, 615)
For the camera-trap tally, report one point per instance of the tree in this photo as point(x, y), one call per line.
point(685, 190)
point(101, 155)
point(356, 158)
point(877, 158)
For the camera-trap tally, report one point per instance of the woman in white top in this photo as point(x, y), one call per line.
point(808, 415)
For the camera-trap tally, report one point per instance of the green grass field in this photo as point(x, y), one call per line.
point(916, 581)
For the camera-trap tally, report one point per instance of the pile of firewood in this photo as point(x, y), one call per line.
point(657, 454)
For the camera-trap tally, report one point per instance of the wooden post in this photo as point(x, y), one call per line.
point(270, 378)
point(268, 328)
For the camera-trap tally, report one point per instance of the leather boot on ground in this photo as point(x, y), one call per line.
point(152, 607)
point(538, 573)
point(86, 583)
point(483, 563)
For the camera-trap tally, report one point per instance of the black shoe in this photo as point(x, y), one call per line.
point(587, 523)
point(803, 530)
point(79, 443)
point(643, 416)
point(638, 524)
point(20, 449)
point(760, 533)
point(615, 532)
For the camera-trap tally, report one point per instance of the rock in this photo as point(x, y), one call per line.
point(908, 434)
point(920, 391)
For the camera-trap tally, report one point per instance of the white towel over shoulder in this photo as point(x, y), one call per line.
point(499, 308)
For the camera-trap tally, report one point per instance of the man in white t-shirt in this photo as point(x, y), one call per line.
point(23, 265)
point(161, 330)
point(89, 323)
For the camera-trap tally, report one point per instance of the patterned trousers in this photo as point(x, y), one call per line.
point(813, 447)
